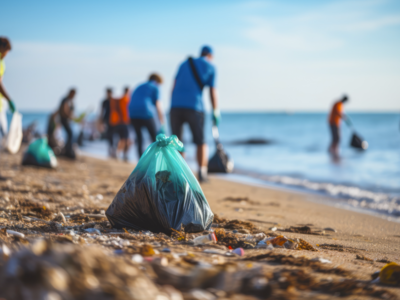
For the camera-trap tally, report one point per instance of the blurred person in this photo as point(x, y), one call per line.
point(52, 140)
point(104, 120)
point(66, 113)
point(5, 47)
point(187, 102)
point(335, 117)
point(144, 101)
point(119, 120)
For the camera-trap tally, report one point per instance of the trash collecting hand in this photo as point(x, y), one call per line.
point(11, 106)
point(216, 117)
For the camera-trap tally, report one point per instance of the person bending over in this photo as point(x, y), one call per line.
point(142, 107)
point(187, 103)
point(335, 117)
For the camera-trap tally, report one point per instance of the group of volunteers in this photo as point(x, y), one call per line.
point(142, 109)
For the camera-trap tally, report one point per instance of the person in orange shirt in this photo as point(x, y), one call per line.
point(119, 120)
point(334, 123)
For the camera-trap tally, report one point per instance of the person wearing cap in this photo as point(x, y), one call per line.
point(187, 102)
point(5, 47)
point(144, 102)
point(335, 117)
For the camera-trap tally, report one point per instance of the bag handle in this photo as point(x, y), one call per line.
point(195, 74)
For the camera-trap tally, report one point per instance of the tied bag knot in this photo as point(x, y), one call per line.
point(171, 142)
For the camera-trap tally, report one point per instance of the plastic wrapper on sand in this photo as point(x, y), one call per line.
point(161, 193)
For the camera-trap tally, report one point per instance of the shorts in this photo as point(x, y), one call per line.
point(121, 130)
point(335, 133)
point(195, 119)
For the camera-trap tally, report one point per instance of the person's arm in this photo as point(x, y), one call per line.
point(160, 112)
point(214, 98)
point(3, 91)
point(173, 87)
point(216, 114)
point(5, 95)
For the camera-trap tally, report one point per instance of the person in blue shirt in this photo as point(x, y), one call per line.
point(142, 106)
point(187, 102)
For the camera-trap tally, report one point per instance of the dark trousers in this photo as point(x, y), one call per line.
point(138, 124)
point(68, 130)
point(110, 136)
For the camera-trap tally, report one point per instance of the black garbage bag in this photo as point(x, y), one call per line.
point(358, 142)
point(220, 162)
point(40, 154)
point(161, 193)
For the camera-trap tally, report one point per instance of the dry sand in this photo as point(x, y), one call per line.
point(79, 184)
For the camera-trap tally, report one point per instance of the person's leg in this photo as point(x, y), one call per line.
point(68, 130)
point(196, 124)
point(202, 153)
point(125, 141)
point(137, 126)
point(176, 120)
point(333, 149)
point(150, 124)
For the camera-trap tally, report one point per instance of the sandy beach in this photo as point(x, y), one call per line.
point(356, 244)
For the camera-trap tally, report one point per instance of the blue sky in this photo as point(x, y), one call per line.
point(270, 55)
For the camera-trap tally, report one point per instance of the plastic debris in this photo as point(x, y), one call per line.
point(321, 260)
point(238, 251)
point(15, 233)
point(137, 258)
point(93, 230)
point(147, 250)
point(205, 239)
point(330, 229)
point(390, 274)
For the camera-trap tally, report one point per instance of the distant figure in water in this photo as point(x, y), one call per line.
point(144, 102)
point(104, 122)
point(334, 123)
point(119, 120)
point(66, 113)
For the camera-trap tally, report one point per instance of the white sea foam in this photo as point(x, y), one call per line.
point(360, 198)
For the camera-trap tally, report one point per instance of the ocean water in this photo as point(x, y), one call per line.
point(297, 154)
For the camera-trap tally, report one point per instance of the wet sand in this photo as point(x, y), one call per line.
point(90, 184)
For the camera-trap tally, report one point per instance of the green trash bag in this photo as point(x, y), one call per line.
point(161, 193)
point(40, 154)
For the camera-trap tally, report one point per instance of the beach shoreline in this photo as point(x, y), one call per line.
point(339, 235)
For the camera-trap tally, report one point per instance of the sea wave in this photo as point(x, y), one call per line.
point(379, 202)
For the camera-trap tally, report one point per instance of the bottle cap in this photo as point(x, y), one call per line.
point(213, 237)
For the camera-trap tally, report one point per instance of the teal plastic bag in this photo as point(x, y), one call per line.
point(161, 193)
point(40, 154)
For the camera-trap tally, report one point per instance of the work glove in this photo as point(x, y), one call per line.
point(11, 106)
point(216, 117)
point(162, 129)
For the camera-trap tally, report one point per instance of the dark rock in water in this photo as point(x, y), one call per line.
point(252, 141)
